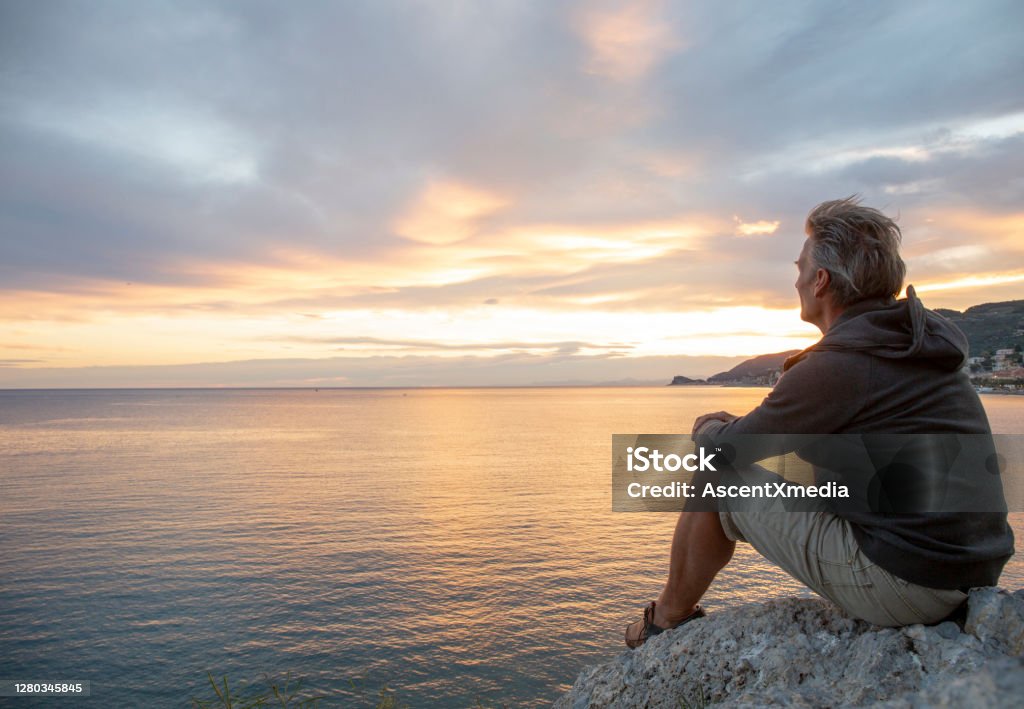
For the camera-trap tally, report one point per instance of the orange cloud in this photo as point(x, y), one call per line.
point(625, 41)
point(991, 229)
point(447, 212)
point(982, 281)
point(758, 228)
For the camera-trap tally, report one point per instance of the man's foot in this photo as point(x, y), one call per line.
point(637, 633)
point(668, 616)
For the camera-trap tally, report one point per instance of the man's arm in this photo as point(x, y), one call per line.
point(719, 416)
point(820, 394)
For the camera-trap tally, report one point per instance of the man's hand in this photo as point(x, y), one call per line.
point(716, 416)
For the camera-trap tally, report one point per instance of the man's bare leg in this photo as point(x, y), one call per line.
point(700, 550)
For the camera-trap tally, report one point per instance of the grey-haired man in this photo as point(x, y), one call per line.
point(882, 366)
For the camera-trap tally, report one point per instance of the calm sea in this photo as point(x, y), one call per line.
point(457, 545)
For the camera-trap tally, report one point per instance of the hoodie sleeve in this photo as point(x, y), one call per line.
point(820, 394)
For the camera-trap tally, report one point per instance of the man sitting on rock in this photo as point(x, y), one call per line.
point(882, 366)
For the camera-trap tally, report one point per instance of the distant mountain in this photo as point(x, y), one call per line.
point(991, 326)
point(988, 327)
point(680, 380)
point(758, 371)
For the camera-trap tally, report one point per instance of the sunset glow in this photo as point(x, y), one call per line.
point(590, 193)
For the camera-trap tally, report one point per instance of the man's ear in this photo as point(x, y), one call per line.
point(822, 280)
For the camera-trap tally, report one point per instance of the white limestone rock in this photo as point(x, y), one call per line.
point(806, 652)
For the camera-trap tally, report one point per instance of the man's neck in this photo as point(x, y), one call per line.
point(829, 314)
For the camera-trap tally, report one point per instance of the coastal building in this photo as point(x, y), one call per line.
point(1003, 359)
point(1008, 380)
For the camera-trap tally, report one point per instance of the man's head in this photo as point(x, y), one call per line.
point(851, 254)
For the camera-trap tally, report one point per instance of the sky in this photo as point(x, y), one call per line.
point(479, 193)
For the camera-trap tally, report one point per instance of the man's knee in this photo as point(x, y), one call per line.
point(729, 528)
point(702, 534)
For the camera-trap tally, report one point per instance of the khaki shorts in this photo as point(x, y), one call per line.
point(819, 549)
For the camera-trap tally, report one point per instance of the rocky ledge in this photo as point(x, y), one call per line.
point(807, 653)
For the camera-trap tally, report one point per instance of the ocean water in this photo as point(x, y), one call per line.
point(457, 545)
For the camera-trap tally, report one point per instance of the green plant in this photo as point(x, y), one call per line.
point(284, 697)
point(481, 705)
point(387, 700)
point(277, 696)
point(699, 701)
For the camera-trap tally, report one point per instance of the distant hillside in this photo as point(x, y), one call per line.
point(991, 326)
point(988, 327)
point(680, 380)
point(754, 372)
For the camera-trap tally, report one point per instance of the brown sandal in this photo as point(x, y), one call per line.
point(649, 629)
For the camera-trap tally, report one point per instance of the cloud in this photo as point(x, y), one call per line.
point(625, 40)
point(759, 228)
point(509, 370)
point(384, 344)
point(988, 280)
point(201, 168)
point(200, 148)
point(447, 212)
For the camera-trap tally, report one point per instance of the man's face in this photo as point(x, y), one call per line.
point(810, 307)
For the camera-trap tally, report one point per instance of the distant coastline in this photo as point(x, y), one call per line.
point(995, 365)
point(760, 371)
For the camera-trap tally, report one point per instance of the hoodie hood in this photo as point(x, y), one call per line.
point(894, 329)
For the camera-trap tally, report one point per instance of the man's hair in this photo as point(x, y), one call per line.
point(859, 247)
